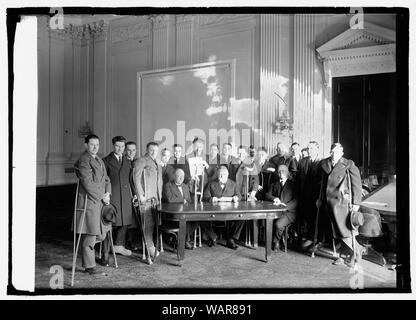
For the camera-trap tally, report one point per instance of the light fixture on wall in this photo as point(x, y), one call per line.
point(84, 130)
point(283, 125)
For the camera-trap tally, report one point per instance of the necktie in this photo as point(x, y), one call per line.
point(119, 159)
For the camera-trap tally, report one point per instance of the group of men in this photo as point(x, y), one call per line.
point(298, 180)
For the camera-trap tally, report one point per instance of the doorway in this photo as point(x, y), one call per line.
point(364, 121)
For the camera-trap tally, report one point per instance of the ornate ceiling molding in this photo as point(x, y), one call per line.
point(136, 31)
point(184, 18)
point(208, 19)
point(79, 33)
point(160, 21)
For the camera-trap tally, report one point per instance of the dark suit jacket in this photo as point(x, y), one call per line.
point(181, 163)
point(309, 179)
point(333, 188)
point(287, 195)
point(172, 194)
point(121, 195)
point(214, 190)
point(277, 160)
point(168, 173)
point(214, 164)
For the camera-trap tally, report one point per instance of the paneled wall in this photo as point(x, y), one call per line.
point(88, 74)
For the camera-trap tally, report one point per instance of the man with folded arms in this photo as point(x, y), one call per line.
point(225, 190)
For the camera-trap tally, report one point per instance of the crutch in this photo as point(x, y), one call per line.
point(198, 230)
point(141, 219)
point(76, 242)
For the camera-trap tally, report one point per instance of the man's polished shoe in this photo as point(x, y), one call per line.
point(231, 244)
point(189, 246)
point(212, 242)
point(91, 271)
point(121, 250)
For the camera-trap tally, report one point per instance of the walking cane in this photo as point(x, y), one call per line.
point(248, 236)
point(75, 253)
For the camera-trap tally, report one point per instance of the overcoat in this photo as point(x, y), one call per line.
point(148, 171)
point(121, 194)
point(334, 191)
point(93, 184)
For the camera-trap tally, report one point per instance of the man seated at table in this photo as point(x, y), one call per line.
point(225, 190)
point(178, 192)
point(282, 192)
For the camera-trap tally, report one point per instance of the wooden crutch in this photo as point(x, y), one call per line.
point(76, 246)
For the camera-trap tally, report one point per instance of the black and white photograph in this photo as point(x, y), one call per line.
point(208, 150)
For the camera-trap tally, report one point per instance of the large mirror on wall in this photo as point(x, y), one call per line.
point(175, 105)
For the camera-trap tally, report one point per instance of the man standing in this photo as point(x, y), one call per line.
point(295, 156)
point(213, 159)
point(340, 188)
point(308, 186)
point(132, 233)
point(265, 170)
point(177, 161)
point(225, 190)
point(283, 192)
point(147, 177)
point(95, 188)
point(131, 151)
point(282, 157)
point(119, 170)
point(167, 170)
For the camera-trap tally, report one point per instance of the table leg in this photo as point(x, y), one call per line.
point(181, 240)
point(269, 229)
point(255, 233)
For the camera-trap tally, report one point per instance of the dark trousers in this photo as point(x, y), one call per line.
point(206, 228)
point(236, 228)
point(279, 226)
point(119, 238)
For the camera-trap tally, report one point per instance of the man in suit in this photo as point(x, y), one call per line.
point(214, 160)
point(308, 186)
point(226, 157)
point(176, 191)
point(119, 170)
point(265, 170)
point(147, 177)
point(179, 161)
point(225, 190)
point(295, 157)
point(340, 188)
point(283, 192)
point(282, 157)
point(167, 170)
point(133, 234)
point(131, 149)
point(95, 188)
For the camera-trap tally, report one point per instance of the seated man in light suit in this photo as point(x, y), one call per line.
point(283, 192)
point(176, 191)
point(225, 190)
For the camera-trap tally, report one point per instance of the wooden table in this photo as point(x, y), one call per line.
point(222, 211)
